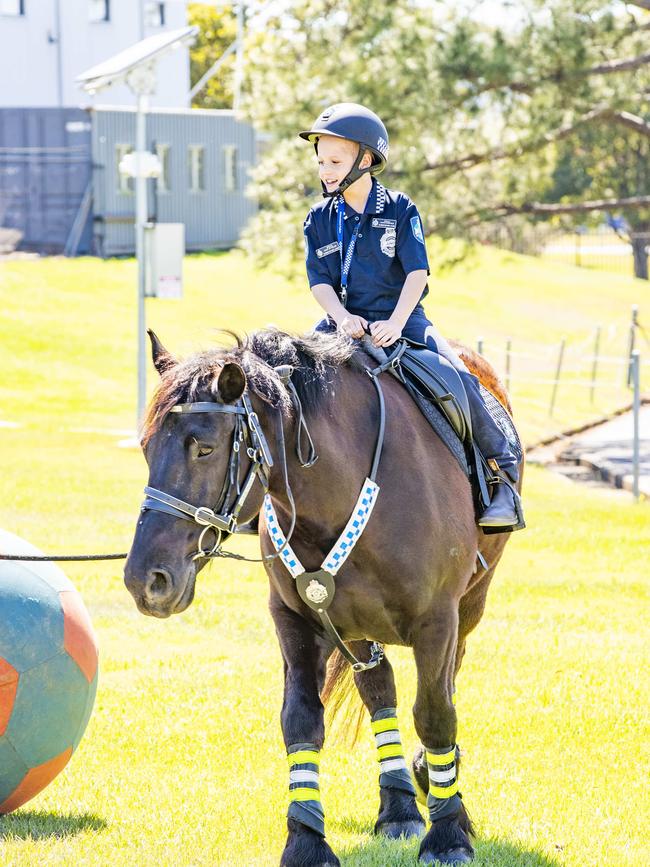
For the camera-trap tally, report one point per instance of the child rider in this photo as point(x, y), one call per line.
point(367, 268)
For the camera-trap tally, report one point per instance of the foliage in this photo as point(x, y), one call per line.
point(218, 29)
point(476, 112)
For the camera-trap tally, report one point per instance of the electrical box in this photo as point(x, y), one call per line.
point(165, 244)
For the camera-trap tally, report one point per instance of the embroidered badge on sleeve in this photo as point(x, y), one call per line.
point(416, 228)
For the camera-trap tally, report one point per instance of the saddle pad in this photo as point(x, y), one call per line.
point(442, 427)
point(503, 420)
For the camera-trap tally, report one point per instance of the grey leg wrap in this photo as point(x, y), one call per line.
point(443, 798)
point(393, 772)
point(304, 791)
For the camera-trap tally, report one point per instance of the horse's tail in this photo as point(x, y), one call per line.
point(344, 709)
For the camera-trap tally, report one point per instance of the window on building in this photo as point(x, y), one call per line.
point(196, 154)
point(125, 184)
point(154, 14)
point(163, 180)
point(99, 10)
point(12, 7)
point(230, 155)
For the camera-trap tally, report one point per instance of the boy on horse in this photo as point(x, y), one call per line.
point(367, 268)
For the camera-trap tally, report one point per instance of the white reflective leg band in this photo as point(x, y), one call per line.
point(393, 773)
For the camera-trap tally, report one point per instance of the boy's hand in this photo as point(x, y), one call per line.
point(385, 332)
point(353, 326)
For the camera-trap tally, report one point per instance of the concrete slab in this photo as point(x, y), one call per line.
point(608, 450)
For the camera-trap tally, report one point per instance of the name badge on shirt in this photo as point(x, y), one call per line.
point(329, 248)
point(381, 223)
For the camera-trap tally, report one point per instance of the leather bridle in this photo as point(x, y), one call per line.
point(223, 517)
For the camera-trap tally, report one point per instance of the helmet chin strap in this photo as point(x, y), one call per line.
point(353, 175)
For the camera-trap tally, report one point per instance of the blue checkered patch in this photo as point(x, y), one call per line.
point(354, 528)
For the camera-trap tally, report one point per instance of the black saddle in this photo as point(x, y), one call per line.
point(435, 378)
point(432, 380)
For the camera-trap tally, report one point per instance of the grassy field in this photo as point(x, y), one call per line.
point(182, 762)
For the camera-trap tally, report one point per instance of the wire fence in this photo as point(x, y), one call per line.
point(559, 388)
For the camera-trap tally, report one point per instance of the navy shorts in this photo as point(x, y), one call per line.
point(418, 329)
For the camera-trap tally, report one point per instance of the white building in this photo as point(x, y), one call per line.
point(45, 44)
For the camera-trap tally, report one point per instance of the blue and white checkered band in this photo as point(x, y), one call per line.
point(381, 199)
point(354, 528)
point(382, 147)
point(343, 546)
point(278, 539)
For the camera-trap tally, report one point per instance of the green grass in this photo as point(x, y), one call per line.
point(182, 762)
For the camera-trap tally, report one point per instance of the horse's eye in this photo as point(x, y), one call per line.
point(204, 451)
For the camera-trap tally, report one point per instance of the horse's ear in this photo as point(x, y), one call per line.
point(231, 383)
point(162, 360)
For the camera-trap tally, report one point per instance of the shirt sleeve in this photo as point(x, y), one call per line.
point(409, 247)
point(316, 268)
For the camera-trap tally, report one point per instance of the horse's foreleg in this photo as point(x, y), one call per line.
point(305, 657)
point(435, 721)
point(398, 813)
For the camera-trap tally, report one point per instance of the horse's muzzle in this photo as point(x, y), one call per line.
point(158, 593)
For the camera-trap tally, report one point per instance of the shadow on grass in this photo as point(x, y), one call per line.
point(40, 825)
point(377, 852)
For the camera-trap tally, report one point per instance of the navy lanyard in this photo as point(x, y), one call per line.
point(346, 261)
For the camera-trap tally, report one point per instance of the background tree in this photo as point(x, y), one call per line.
point(480, 117)
point(218, 29)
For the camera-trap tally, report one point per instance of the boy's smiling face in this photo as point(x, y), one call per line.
point(336, 156)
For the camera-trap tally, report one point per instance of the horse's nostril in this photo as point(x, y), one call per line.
point(159, 584)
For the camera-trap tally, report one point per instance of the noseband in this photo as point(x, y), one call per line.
point(223, 518)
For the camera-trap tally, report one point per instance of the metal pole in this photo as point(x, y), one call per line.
point(479, 346)
point(59, 58)
point(632, 341)
point(508, 350)
point(557, 376)
point(140, 220)
point(636, 380)
point(239, 58)
point(594, 366)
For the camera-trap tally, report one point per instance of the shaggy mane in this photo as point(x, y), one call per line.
point(314, 357)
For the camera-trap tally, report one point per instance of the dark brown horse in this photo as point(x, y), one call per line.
point(221, 430)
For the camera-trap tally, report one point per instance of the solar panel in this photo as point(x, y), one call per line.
point(115, 69)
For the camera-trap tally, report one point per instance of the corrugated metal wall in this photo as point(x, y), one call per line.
point(213, 217)
point(45, 169)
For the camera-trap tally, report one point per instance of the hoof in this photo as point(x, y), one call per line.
point(455, 856)
point(305, 848)
point(394, 830)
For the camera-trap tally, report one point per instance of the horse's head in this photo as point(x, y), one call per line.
point(203, 451)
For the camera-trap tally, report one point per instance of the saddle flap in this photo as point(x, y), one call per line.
point(435, 377)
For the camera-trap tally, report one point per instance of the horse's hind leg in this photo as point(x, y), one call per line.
point(305, 657)
point(447, 841)
point(398, 813)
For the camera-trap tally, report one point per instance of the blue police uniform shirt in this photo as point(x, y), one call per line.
point(390, 244)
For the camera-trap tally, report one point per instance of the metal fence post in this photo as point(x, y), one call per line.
point(632, 340)
point(557, 375)
point(594, 367)
point(636, 384)
point(479, 345)
point(508, 351)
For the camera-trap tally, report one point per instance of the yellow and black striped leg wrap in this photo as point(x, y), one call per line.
point(443, 797)
point(393, 773)
point(304, 792)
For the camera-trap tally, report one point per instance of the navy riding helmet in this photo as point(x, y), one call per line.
point(356, 123)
